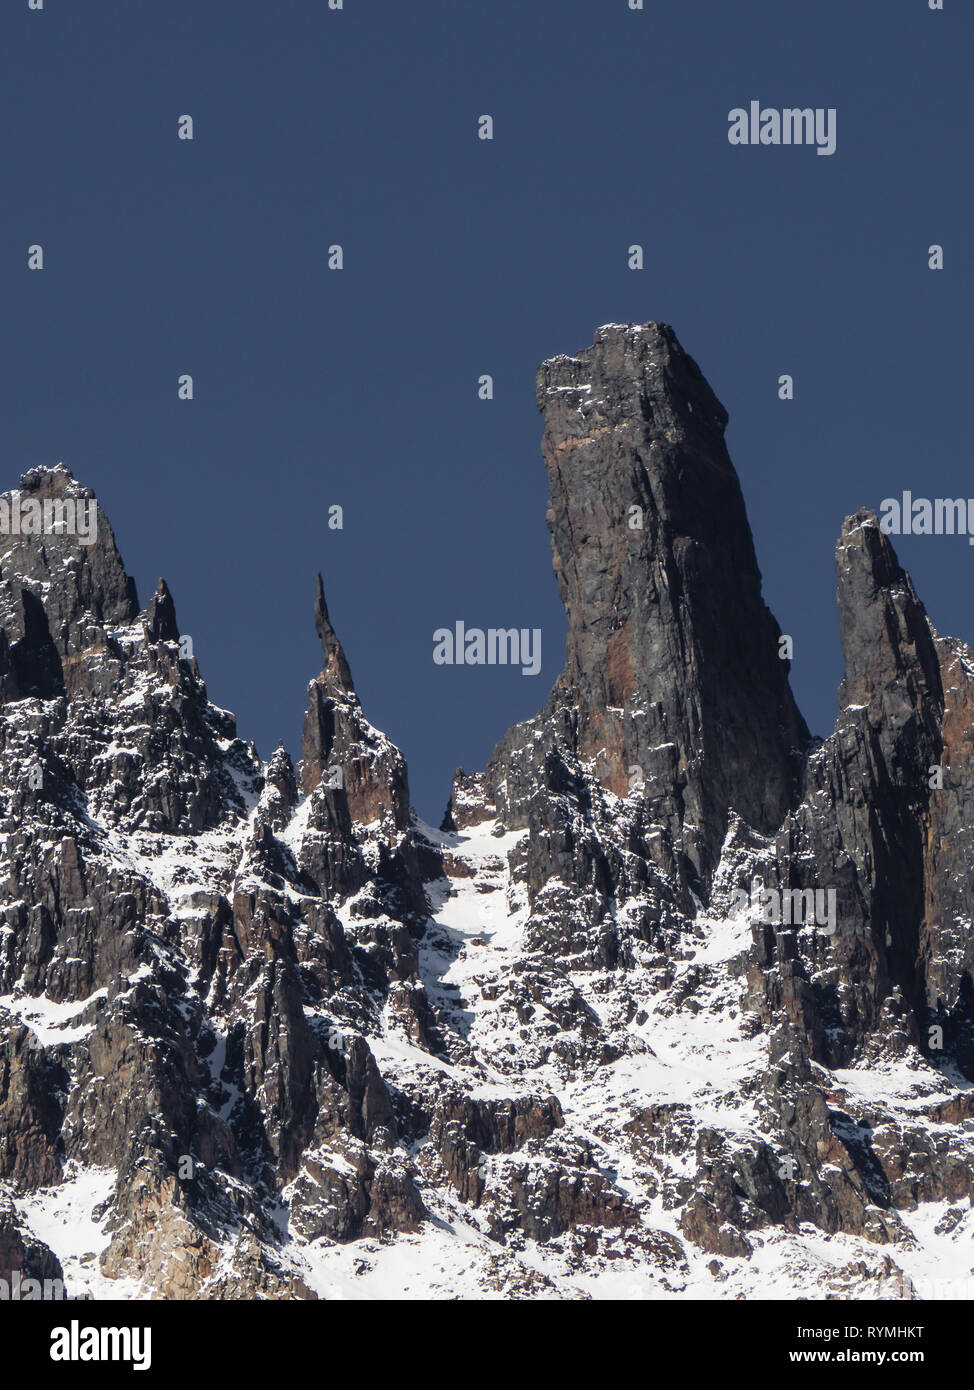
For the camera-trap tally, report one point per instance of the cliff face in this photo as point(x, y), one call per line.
point(674, 984)
point(886, 814)
point(673, 658)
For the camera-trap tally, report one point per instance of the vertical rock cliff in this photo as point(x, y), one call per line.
point(673, 668)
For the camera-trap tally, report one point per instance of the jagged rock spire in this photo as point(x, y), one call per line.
point(355, 777)
point(673, 674)
point(160, 617)
point(335, 670)
point(887, 641)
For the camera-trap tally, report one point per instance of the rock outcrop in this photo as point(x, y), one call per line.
point(674, 678)
point(674, 983)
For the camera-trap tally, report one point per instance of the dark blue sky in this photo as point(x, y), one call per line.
point(313, 387)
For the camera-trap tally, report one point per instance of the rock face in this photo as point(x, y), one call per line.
point(674, 983)
point(673, 674)
point(886, 820)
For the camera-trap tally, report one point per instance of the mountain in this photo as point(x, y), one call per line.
point(677, 1001)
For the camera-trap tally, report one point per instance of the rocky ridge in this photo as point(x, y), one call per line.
point(268, 1035)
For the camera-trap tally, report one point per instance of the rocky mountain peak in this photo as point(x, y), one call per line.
point(887, 642)
point(335, 674)
point(160, 618)
point(675, 1002)
point(54, 533)
point(673, 660)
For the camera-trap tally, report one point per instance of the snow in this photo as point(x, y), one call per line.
point(49, 1021)
point(63, 1218)
point(685, 1043)
point(909, 1085)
